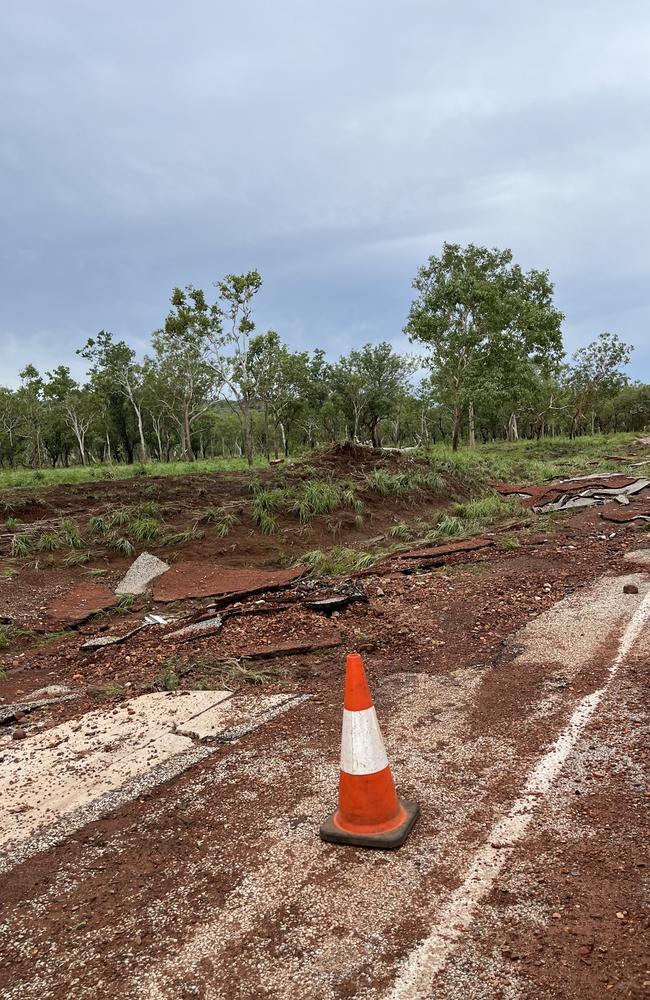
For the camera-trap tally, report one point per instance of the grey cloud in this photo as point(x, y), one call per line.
point(333, 146)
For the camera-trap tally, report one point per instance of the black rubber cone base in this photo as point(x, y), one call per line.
point(333, 834)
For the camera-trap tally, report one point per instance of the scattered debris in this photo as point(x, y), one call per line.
point(205, 579)
point(329, 604)
point(101, 641)
point(336, 597)
point(197, 630)
point(448, 549)
point(582, 491)
point(38, 699)
point(290, 647)
point(157, 620)
point(141, 574)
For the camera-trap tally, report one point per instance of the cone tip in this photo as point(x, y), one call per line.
point(357, 693)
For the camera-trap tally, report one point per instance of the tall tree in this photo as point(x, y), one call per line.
point(182, 369)
point(280, 377)
point(113, 365)
point(596, 374)
point(369, 383)
point(477, 311)
point(230, 343)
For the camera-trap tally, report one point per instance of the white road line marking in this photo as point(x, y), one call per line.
point(416, 976)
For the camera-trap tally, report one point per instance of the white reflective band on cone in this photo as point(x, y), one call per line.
point(362, 748)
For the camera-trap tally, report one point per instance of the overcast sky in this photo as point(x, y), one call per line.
point(332, 145)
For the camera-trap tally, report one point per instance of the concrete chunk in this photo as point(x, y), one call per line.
point(141, 573)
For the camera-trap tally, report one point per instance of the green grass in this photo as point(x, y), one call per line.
point(530, 461)
point(181, 537)
point(223, 520)
point(109, 691)
point(145, 529)
point(10, 479)
point(487, 508)
point(400, 532)
point(21, 545)
point(336, 561)
point(78, 558)
point(168, 679)
point(120, 544)
point(9, 634)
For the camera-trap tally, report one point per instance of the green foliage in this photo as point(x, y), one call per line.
point(317, 497)
point(168, 679)
point(49, 541)
point(21, 544)
point(9, 634)
point(78, 558)
point(336, 561)
point(145, 529)
point(124, 604)
point(485, 321)
point(181, 537)
point(70, 535)
point(400, 532)
point(120, 544)
point(223, 520)
point(487, 508)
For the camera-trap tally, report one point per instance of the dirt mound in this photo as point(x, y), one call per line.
point(347, 456)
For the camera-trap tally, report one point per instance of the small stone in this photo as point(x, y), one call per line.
point(630, 588)
point(19, 734)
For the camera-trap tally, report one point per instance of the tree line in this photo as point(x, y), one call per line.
point(490, 365)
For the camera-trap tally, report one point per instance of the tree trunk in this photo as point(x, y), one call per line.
point(143, 447)
point(513, 433)
point(248, 432)
point(285, 441)
point(472, 433)
point(187, 434)
point(456, 435)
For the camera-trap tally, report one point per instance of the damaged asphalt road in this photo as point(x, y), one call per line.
point(193, 868)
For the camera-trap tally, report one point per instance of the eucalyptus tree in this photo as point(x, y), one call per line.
point(280, 378)
point(595, 375)
point(113, 368)
point(479, 313)
point(181, 365)
point(369, 382)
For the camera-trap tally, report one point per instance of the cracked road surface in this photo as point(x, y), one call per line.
point(525, 877)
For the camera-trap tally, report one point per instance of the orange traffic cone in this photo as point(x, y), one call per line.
point(369, 813)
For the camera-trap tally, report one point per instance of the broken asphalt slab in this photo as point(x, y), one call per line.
point(582, 491)
point(80, 603)
point(56, 782)
point(207, 579)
